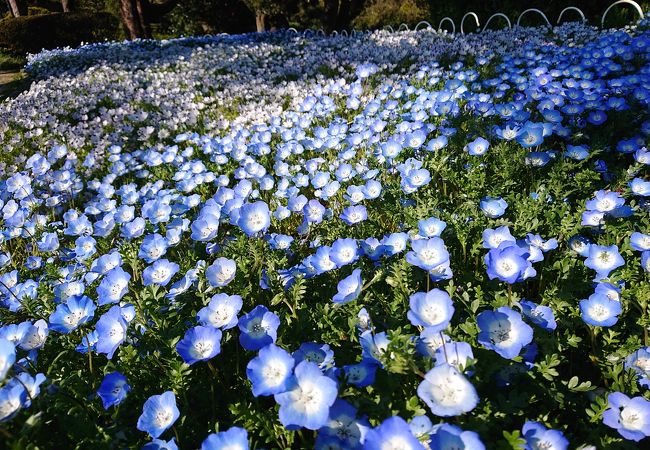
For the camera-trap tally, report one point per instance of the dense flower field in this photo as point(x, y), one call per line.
point(396, 241)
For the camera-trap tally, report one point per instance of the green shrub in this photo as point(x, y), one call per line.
point(379, 13)
point(31, 34)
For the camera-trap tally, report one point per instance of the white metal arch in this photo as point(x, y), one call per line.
point(423, 22)
point(447, 19)
point(629, 2)
point(571, 8)
point(538, 12)
point(292, 29)
point(320, 31)
point(403, 27)
point(389, 28)
point(497, 15)
point(344, 33)
point(478, 24)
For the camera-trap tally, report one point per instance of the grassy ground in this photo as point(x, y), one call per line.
point(12, 84)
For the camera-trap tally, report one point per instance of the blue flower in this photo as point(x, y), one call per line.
point(111, 331)
point(373, 345)
point(431, 227)
point(221, 272)
point(343, 429)
point(113, 389)
point(258, 328)
point(629, 416)
point(600, 311)
point(508, 263)
point(428, 254)
point(344, 252)
point(254, 218)
point(308, 398)
point(270, 370)
point(603, 260)
point(221, 312)
point(432, 309)
point(530, 135)
point(158, 414)
point(393, 433)
point(152, 248)
point(76, 311)
point(320, 354)
point(160, 273)
point(538, 436)
point(233, 438)
point(639, 361)
point(361, 374)
point(353, 215)
point(12, 397)
point(503, 331)
point(640, 242)
point(493, 207)
point(540, 315)
point(447, 392)
point(159, 444)
point(478, 147)
point(446, 436)
point(199, 344)
point(349, 288)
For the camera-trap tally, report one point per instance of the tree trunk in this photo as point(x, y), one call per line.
point(18, 7)
point(67, 5)
point(137, 15)
point(331, 14)
point(260, 22)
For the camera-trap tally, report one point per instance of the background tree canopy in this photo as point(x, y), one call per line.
point(21, 31)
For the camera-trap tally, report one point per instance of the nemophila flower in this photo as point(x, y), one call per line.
point(113, 389)
point(30, 384)
point(349, 288)
point(603, 260)
point(353, 215)
point(530, 135)
point(493, 207)
point(320, 354)
point(258, 328)
point(372, 248)
point(639, 361)
point(537, 436)
point(308, 398)
point(600, 311)
point(34, 336)
point(428, 253)
point(76, 311)
point(159, 444)
point(447, 392)
point(160, 273)
point(270, 370)
point(158, 414)
point(629, 416)
point(432, 309)
point(7, 356)
point(12, 397)
point(645, 261)
point(152, 248)
point(540, 315)
point(84, 247)
point(361, 374)
point(233, 438)
point(431, 227)
point(373, 345)
point(254, 218)
point(221, 272)
point(640, 187)
point(503, 331)
point(437, 143)
point(221, 312)
point(494, 238)
point(577, 152)
point(199, 344)
point(508, 263)
point(580, 245)
point(111, 331)
point(113, 286)
point(343, 429)
point(395, 243)
point(205, 228)
point(544, 245)
point(478, 147)
point(457, 354)
point(640, 242)
point(605, 201)
point(447, 437)
point(344, 252)
point(392, 434)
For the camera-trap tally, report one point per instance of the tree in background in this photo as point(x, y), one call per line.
point(18, 7)
point(137, 15)
point(378, 13)
point(67, 5)
point(263, 9)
